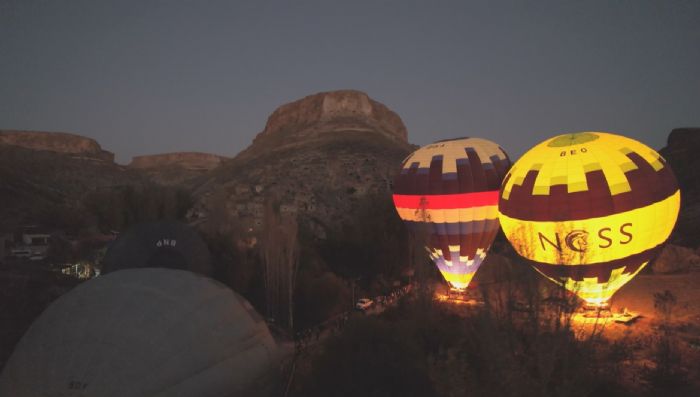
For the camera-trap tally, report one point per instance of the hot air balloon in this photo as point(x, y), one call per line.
point(144, 332)
point(589, 210)
point(450, 190)
point(164, 243)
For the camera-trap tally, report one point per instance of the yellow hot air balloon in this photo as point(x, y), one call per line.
point(589, 210)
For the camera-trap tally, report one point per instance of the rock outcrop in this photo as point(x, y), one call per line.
point(318, 157)
point(34, 184)
point(186, 160)
point(675, 259)
point(176, 168)
point(314, 116)
point(59, 142)
point(681, 153)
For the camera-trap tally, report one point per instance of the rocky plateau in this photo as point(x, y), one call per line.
point(176, 168)
point(319, 157)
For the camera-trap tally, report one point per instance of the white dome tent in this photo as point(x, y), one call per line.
point(144, 332)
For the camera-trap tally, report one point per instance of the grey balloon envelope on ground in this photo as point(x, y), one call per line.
point(169, 244)
point(144, 332)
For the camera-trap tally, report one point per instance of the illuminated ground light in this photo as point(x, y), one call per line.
point(458, 297)
point(604, 316)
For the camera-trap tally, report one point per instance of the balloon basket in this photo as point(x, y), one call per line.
point(603, 307)
point(459, 297)
point(602, 314)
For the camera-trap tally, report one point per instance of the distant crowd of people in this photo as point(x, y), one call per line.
point(334, 325)
point(303, 339)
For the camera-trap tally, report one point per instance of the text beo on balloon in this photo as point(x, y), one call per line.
point(572, 152)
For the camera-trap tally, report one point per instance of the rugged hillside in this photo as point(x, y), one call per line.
point(58, 142)
point(682, 153)
point(41, 172)
point(176, 168)
point(317, 115)
point(321, 157)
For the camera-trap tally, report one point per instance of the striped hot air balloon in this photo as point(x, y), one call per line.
point(589, 210)
point(449, 189)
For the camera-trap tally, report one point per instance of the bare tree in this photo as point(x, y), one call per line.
point(419, 238)
point(280, 255)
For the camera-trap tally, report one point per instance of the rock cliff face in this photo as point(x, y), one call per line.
point(59, 142)
point(318, 157)
point(176, 168)
point(33, 183)
point(681, 152)
point(675, 259)
point(314, 116)
point(186, 160)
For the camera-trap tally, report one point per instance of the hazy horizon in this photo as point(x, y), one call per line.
point(156, 77)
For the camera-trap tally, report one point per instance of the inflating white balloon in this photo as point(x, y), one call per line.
point(144, 332)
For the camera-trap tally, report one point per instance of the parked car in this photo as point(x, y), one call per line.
point(364, 304)
point(20, 253)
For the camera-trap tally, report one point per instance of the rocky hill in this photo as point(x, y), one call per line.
point(319, 115)
point(58, 142)
point(319, 157)
point(36, 181)
point(681, 152)
point(176, 168)
point(186, 160)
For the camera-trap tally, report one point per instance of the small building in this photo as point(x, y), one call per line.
point(28, 243)
point(36, 239)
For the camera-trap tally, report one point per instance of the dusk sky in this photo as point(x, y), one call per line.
point(145, 77)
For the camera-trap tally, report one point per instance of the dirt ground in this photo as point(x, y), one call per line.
point(645, 332)
point(638, 294)
point(638, 297)
point(643, 335)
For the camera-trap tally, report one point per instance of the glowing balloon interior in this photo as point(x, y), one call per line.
point(449, 191)
point(589, 210)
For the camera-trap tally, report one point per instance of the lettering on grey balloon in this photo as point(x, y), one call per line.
point(77, 385)
point(166, 243)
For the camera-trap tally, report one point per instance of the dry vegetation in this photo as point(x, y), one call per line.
point(522, 342)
